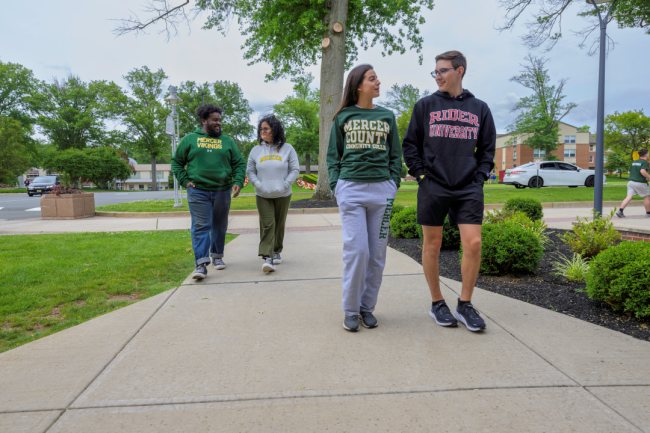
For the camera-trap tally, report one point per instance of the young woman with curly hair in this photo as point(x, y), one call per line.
point(272, 169)
point(364, 161)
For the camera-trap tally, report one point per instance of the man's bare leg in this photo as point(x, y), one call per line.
point(646, 203)
point(627, 201)
point(430, 253)
point(470, 237)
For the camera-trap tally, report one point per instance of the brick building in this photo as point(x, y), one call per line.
point(575, 147)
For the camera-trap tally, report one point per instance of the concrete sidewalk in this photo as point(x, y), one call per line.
point(247, 351)
point(559, 218)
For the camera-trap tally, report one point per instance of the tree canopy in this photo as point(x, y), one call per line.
point(15, 157)
point(627, 132)
point(540, 113)
point(545, 27)
point(402, 99)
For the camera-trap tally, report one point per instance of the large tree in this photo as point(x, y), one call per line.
point(293, 34)
point(299, 113)
point(540, 113)
point(14, 158)
point(142, 112)
point(545, 25)
point(627, 132)
point(72, 114)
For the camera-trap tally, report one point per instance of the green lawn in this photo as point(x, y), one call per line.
point(238, 203)
point(545, 195)
point(13, 190)
point(52, 282)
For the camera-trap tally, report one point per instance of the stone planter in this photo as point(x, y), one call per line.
point(67, 206)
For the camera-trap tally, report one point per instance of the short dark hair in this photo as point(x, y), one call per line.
point(643, 152)
point(204, 111)
point(276, 129)
point(456, 58)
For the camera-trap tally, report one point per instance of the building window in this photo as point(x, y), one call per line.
point(514, 165)
point(592, 148)
point(539, 153)
point(569, 139)
point(591, 158)
point(514, 143)
point(132, 187)
point(136, 175)
point(514, 154)
point(141, 187)
point(569, 153)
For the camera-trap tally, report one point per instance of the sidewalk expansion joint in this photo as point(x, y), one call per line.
point(537, 352)
point(210, 283)
point(237, 398)
point(64, 410)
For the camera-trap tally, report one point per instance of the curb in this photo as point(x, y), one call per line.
point(569, 204)
point(187, 214)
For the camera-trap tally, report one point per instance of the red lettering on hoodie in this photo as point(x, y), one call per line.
point(435, 116)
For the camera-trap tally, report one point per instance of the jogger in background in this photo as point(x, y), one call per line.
point(364, 164)
point(272, 168)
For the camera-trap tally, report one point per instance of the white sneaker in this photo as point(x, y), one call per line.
point(268, 265)
point(219, 264)
point(277, 259)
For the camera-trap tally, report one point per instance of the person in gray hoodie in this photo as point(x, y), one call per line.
point(272, 169)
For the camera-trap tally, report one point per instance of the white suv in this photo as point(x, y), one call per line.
point(551, 173)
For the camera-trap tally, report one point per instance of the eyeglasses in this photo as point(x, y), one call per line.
point(265, 129)
point(441, 72)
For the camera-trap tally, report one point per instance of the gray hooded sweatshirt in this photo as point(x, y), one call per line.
point(272, 171)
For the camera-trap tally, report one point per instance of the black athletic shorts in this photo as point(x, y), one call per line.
point(464, 206)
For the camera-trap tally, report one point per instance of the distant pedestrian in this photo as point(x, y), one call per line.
point(638, 184)
point(364, 163)
point(272, 169)
point(26, 182)
point(209, 164)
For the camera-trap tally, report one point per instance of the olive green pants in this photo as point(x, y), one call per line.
point(273, 216)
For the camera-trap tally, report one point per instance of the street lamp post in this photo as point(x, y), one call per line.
point(600, 119)
point(173, 99)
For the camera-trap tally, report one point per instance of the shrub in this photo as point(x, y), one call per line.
point(397, 208)
point(404, 224)
point(574, 269)
point(509, 247)
point(310, 178)
point(538, 228)
point(530, 206)
point(450, 235)
point(590, 238)
point(620, 276)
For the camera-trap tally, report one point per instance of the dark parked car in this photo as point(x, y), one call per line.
point(42, 185)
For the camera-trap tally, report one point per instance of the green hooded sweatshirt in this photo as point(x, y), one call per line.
point(213, 163)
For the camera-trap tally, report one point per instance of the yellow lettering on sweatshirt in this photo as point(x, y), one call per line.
point(271, 158)
point(208, 143)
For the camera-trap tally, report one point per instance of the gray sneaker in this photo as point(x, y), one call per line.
point(277, 259)
point(368, 320)
point(219, 264)
point(200, 272)
point(351, 323)
point(619, 213)
point(268, 264)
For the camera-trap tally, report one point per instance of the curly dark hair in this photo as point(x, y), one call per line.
point(276, 129)
point(204, 111)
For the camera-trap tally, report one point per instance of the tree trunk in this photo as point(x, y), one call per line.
point(154, 183)
point(331, 88)
point(307, 167)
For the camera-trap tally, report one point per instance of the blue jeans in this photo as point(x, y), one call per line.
point(209, 210)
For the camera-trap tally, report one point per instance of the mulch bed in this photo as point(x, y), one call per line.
point(308, 203)
point(542, 289)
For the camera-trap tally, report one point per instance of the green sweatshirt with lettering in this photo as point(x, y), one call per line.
point(210, 163)
point(364, 146)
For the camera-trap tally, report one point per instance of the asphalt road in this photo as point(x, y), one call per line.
point(21, 206)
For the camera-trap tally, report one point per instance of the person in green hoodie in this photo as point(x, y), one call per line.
point(209, 164)
point(364, 163)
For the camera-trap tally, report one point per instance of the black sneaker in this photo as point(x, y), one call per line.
point(441, 314)
point(619, 213)
point(351, 323)
point(470, 317)
point(200, 272)
point(368, 320)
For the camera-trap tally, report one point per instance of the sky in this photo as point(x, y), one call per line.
point(54, 39)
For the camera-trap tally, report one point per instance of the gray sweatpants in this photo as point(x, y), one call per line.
point(365, 216)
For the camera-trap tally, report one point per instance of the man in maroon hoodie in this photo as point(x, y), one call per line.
point(449, 148)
